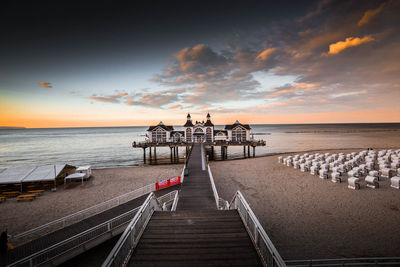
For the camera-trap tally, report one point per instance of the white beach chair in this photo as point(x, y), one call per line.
point(395, 182)
point(325, 166)
point(314, 170)
point(323, 174)
point(372, 182)
point(296, 164)
point(395, 165)
point(352, 173)
point(370, 165)
point(353, 183)
point(280, 159)
point(303, 167)
point(336, 177)
point(387, 173)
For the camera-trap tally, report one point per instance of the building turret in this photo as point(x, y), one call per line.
point(208, 122)
point(188, 121)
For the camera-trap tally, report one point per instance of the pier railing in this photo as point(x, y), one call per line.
point(265, 248)
point(251, 142)
point(60, 223)
point(221, 203)
point(82, 239)
point(120, 254)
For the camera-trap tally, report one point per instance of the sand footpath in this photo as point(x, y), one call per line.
point(105, 184)
point(307, 217)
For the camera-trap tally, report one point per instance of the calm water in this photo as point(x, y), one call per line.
point(111, 146)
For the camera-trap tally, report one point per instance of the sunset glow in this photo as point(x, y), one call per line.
point(324, 62)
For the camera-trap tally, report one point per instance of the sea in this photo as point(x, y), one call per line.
point(107, 147)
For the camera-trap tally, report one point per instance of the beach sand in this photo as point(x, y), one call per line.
point(105, 184)
point(306, 217)
point(309, 218)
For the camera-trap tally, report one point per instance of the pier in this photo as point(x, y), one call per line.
point(199, 132)
point(150, 148)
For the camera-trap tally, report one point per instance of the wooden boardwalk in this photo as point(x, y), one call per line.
point(196, 193)
point(48, 240)
point(197, 234)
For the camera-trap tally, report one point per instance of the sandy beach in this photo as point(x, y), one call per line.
point(308, 217)
point(105, 184)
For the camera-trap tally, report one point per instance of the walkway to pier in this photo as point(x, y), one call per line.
point(53, 238)
point(196, 193)
point(197, 234)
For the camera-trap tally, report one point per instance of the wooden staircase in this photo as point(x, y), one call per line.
point(195, 238)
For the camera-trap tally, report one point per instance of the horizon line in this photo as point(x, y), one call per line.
point(314, 123)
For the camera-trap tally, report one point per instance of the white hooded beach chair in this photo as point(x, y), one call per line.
point(387, 173)
point(372, 182)
point(352, 173)
point(323, 174)
point(335, 177)
point(395, 182)
point(303, 167)
point(280, 159)
point(314, 170)
point(353, 183)
point(296, 164)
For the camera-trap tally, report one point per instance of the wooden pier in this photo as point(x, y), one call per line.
point(174, 148)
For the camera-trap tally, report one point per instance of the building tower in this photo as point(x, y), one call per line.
point(209, 129)
point(188, 128)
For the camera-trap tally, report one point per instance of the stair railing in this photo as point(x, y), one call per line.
point(221, 203)
point(80, 215)
point(79, 240)
point(264, 246)
point(121, 253)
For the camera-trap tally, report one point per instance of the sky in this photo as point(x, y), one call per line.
point(111, 63)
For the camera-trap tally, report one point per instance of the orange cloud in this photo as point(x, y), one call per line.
point(45, 84)
point(265, 54)
point(175, 106)
point(338, 47)
point(295, 87)
point(370, 14)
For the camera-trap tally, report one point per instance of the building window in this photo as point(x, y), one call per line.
point(159, 136)
point(209, 135)
point(238, 134)
point(177, 137)
point(188, 135)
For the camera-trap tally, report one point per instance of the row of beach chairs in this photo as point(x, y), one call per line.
point(368, 165)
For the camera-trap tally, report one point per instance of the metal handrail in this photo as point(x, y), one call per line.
point(219, 202)
point(85, 213)
point(51, 252)
point(175, 203)
point(183, 173)
point(120, 254)
point(80, 239)
point(346, 261)
point(265, 248)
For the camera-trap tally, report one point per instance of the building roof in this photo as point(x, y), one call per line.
point(163, 126)
point(30, 174)
point(209, 123)
point(188, 123)
point(237, 123)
